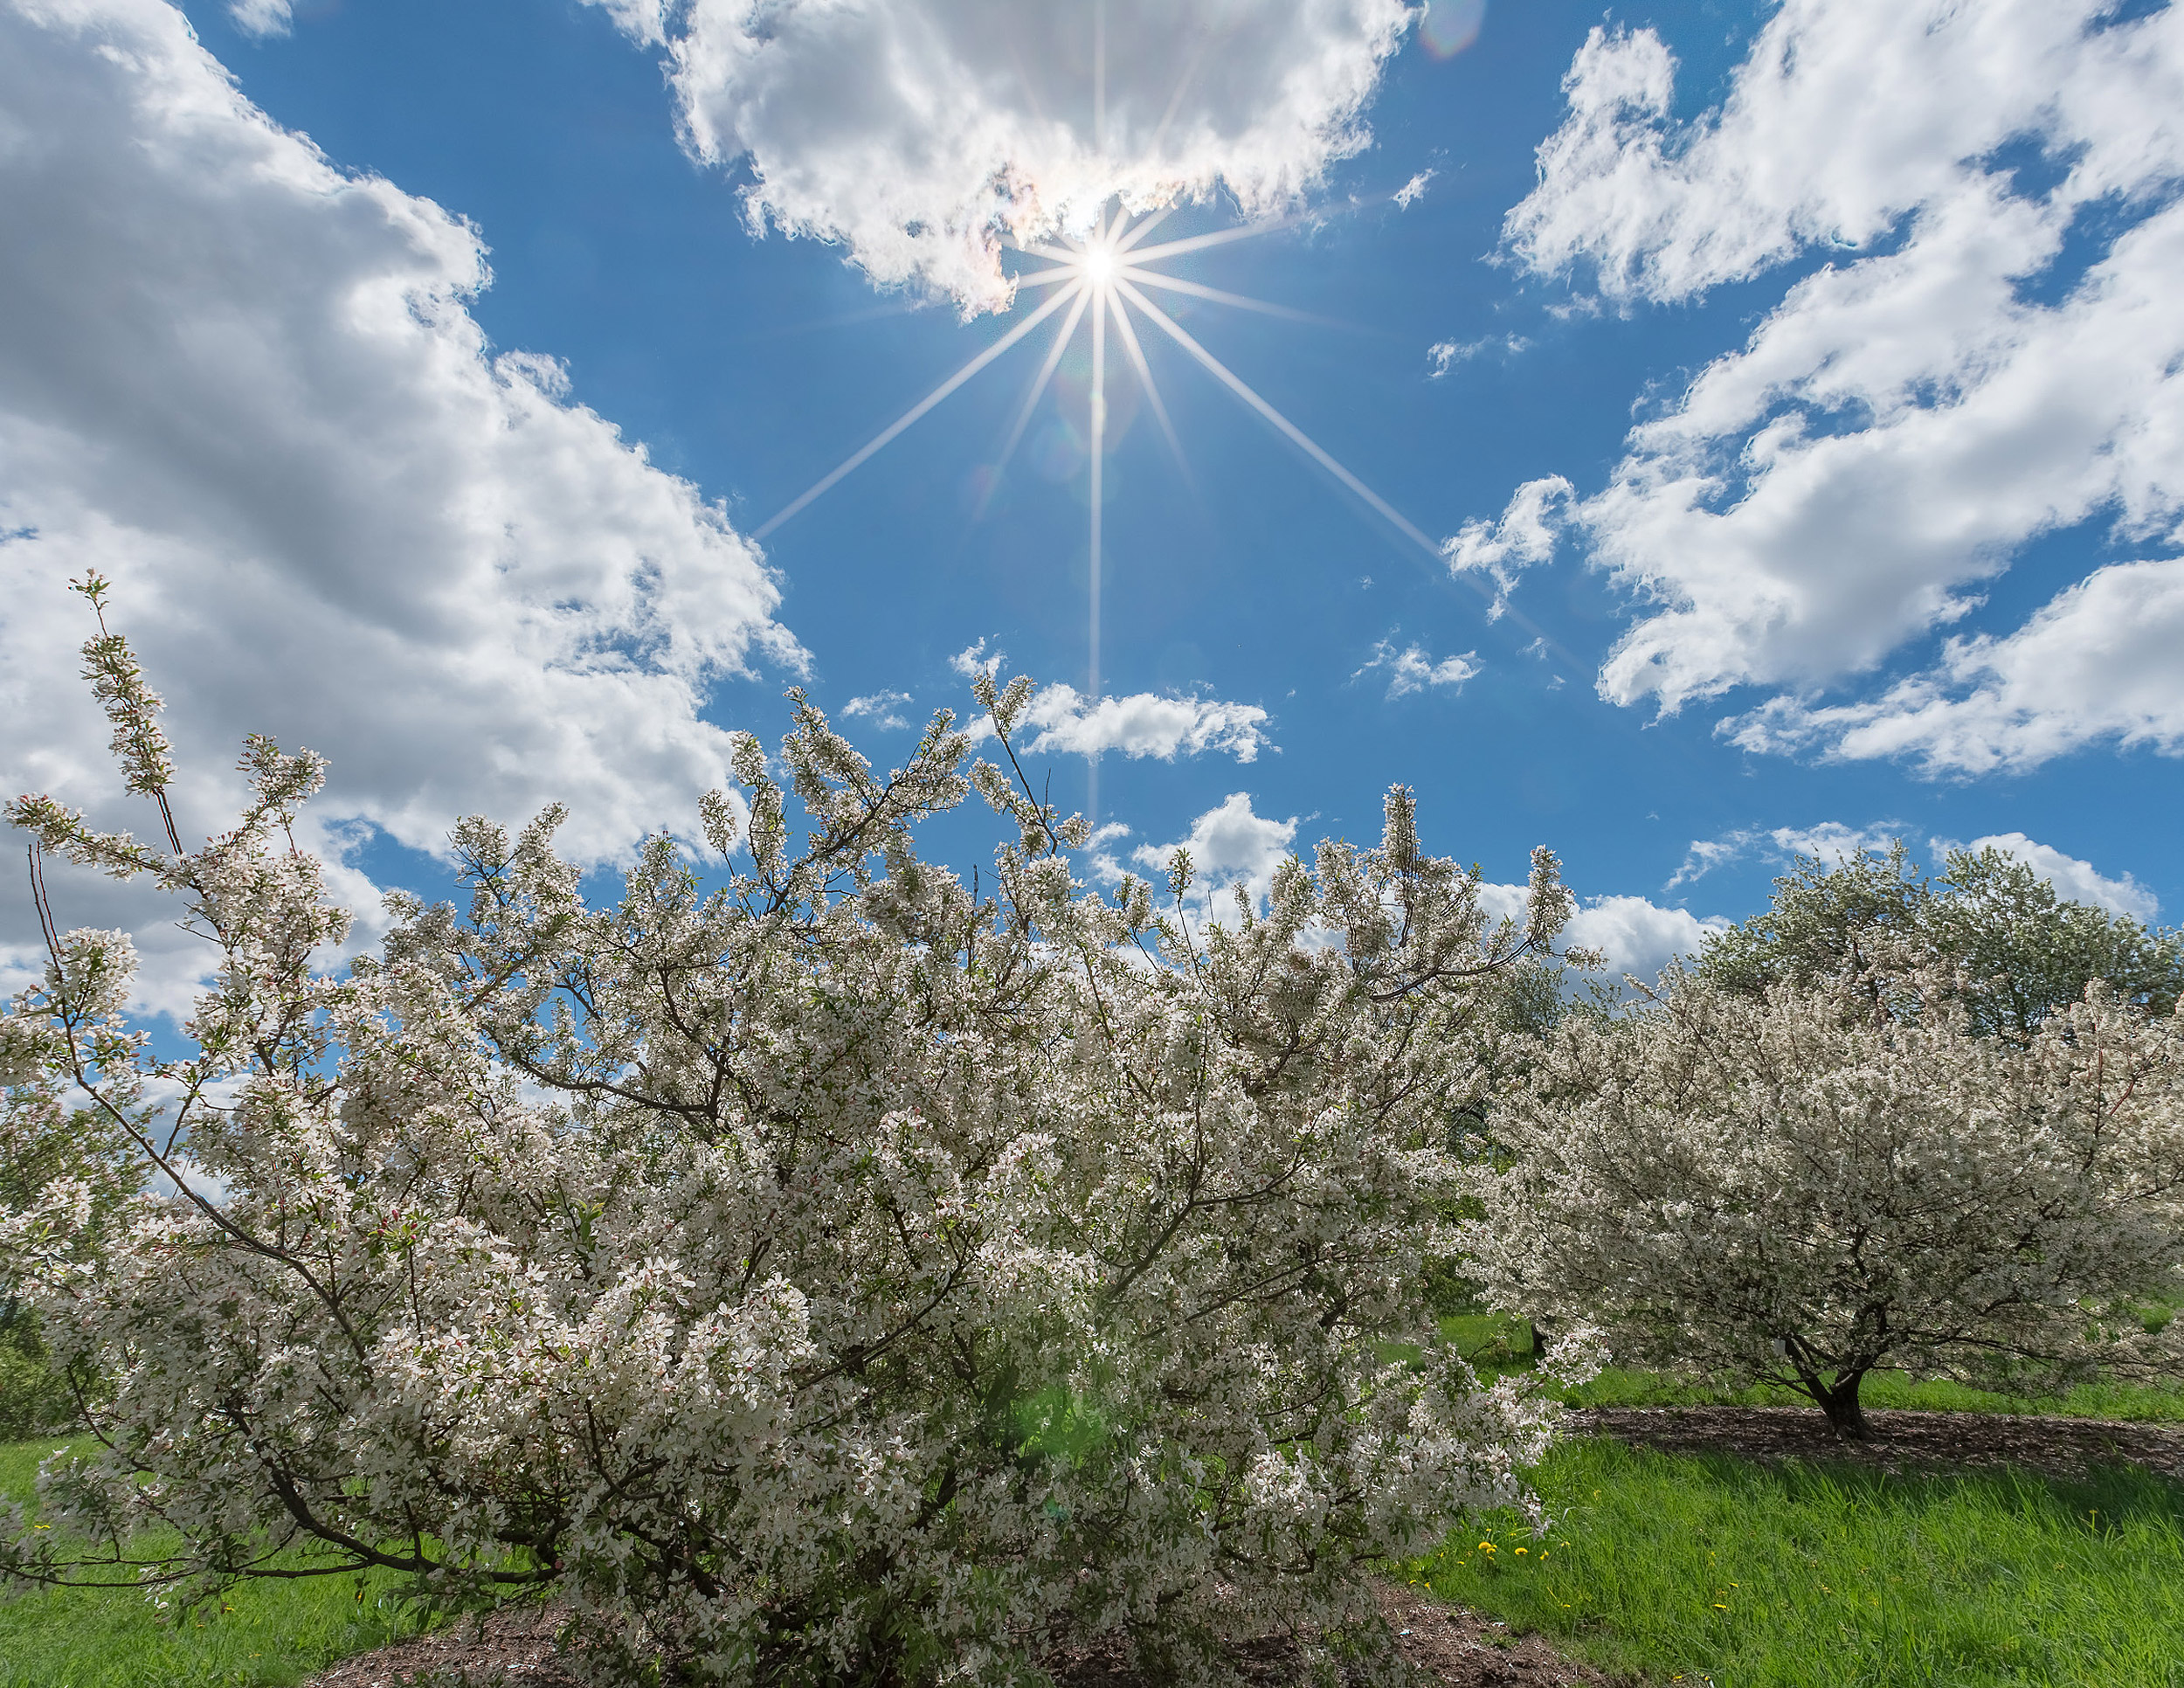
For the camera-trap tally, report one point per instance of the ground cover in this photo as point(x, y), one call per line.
point(1710, 1568)
point(263, 1634)
point(1661, 1566)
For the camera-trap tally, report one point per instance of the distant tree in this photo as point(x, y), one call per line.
point(1989, 933)
point(1787, 1184)
point(2026, 951)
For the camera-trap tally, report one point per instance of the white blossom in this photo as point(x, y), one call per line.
point(1803, 1187)
point(831, 1267)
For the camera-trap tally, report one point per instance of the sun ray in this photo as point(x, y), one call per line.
point(856, 458)
point(1220, 296)
point(1046, 368)
point(1099, 451)
point(1048, 278)
point(1145, 226)
point(1219, 237)
point(1297, 436)
point(1152, 389)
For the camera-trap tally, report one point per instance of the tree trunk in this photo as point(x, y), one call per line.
point(1840, 1402)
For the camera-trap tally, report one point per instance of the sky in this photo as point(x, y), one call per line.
point(1685, 435)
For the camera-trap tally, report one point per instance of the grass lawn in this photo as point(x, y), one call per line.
point(1706, 1569)
point(264, 1634)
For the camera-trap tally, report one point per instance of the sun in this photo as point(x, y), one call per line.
point(1103, 280)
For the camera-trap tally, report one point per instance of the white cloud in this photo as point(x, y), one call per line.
point(2074, 880)
point(244, 385)
point(1230, 846)
point(922, 133)
point(1987, 357)
point(1445, 354)
point(1414, 189)
point(881, 708)
point(1411, 670)
point(1833, 841)
point(262, 18)
point(1829, 840)
point(2097, 664)
point(1143, 724)
point(974, 661)
point(1526, 535)
point(1637, 937)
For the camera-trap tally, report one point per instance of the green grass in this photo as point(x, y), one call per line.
point(1505, 1343)
point(1711, 1569)
point(262, 1634)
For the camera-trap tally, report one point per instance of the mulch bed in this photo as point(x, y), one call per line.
point(514, 1648)
point(1448, 1645)
point(1902, 1440)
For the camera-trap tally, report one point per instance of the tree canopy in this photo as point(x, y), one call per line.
point(1988, 932)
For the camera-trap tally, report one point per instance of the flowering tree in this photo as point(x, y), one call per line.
point(839, 1274)
point(1798, 1187)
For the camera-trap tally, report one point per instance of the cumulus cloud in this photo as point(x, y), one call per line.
point(1829, 840)
point(1833, 841)
point(973, 661)
point(1411, 669)
point(2098, 664)
point(1230, 847)
point(2075, 881)
point(1636, 935)
point(1524, 534)
point(1414, 189)
point(244, 385)
point(922, 133)
point(1995, 350)
point(1157, 724)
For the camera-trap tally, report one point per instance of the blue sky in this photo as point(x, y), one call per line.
point(1832, 350)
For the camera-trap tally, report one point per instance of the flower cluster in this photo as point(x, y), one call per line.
point(844, 1269)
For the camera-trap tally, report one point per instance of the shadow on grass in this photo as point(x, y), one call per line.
point(1817, 1575)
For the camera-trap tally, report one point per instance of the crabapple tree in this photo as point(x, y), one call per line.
point(839, 1274)
point(1791, 1186)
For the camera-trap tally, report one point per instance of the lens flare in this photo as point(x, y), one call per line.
point(1451, 25)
